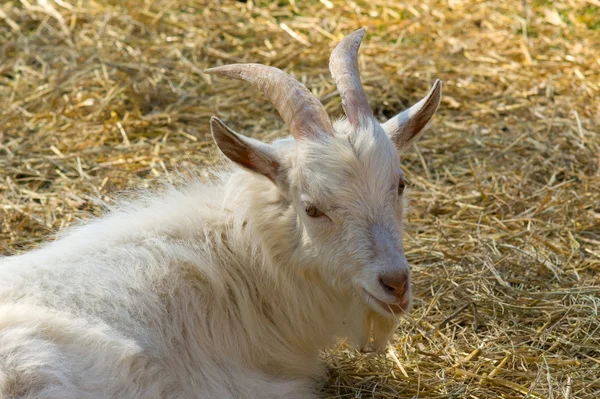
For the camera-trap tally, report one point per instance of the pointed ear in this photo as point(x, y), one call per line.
point(250, 154)
point(405, 128)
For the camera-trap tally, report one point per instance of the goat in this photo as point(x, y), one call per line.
point(226, 289)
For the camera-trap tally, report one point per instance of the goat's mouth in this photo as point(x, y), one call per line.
point(388, 309)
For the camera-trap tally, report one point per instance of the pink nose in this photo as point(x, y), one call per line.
point(396, 283)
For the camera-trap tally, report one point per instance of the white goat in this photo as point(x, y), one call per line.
point(228, 289)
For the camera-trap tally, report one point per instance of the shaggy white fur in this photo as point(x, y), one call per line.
point(220, 290)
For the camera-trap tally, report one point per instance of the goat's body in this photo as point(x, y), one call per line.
point(230, 289)
point(153, 302)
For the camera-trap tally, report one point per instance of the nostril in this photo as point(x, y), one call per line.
point(387, 287)
point(396, 284)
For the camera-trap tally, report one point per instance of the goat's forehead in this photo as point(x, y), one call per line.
point(350, 161)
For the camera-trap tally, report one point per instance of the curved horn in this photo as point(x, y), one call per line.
point(343, 65)
point(301, 111)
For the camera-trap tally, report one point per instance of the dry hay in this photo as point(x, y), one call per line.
point(504, 237)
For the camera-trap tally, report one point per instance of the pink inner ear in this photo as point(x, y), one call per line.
point(416, 124)
point(244, 153)
point(407, 125)
point(239, 155)
point(265, 166)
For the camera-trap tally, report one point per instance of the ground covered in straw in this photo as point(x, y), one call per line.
point(504, 237)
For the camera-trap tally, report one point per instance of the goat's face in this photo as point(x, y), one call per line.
point(348, 192)
point(345, 183)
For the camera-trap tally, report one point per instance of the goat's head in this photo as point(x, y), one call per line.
point(343, 180)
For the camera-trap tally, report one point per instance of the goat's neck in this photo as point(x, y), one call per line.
point(292, 306)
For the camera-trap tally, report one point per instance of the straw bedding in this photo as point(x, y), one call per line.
point(504, 234)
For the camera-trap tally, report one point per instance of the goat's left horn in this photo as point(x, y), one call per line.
point(343, 65)
point(302, 112)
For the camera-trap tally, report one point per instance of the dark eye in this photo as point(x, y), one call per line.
point(313, 212)
point(401, 186)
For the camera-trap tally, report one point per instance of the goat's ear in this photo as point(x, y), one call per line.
point(405, 128)
point(249, 153)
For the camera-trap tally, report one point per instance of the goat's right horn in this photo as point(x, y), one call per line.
point(343, 65)
point(302, 112)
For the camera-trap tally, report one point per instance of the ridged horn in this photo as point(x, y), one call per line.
point(343, 65)
point(302, 112)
